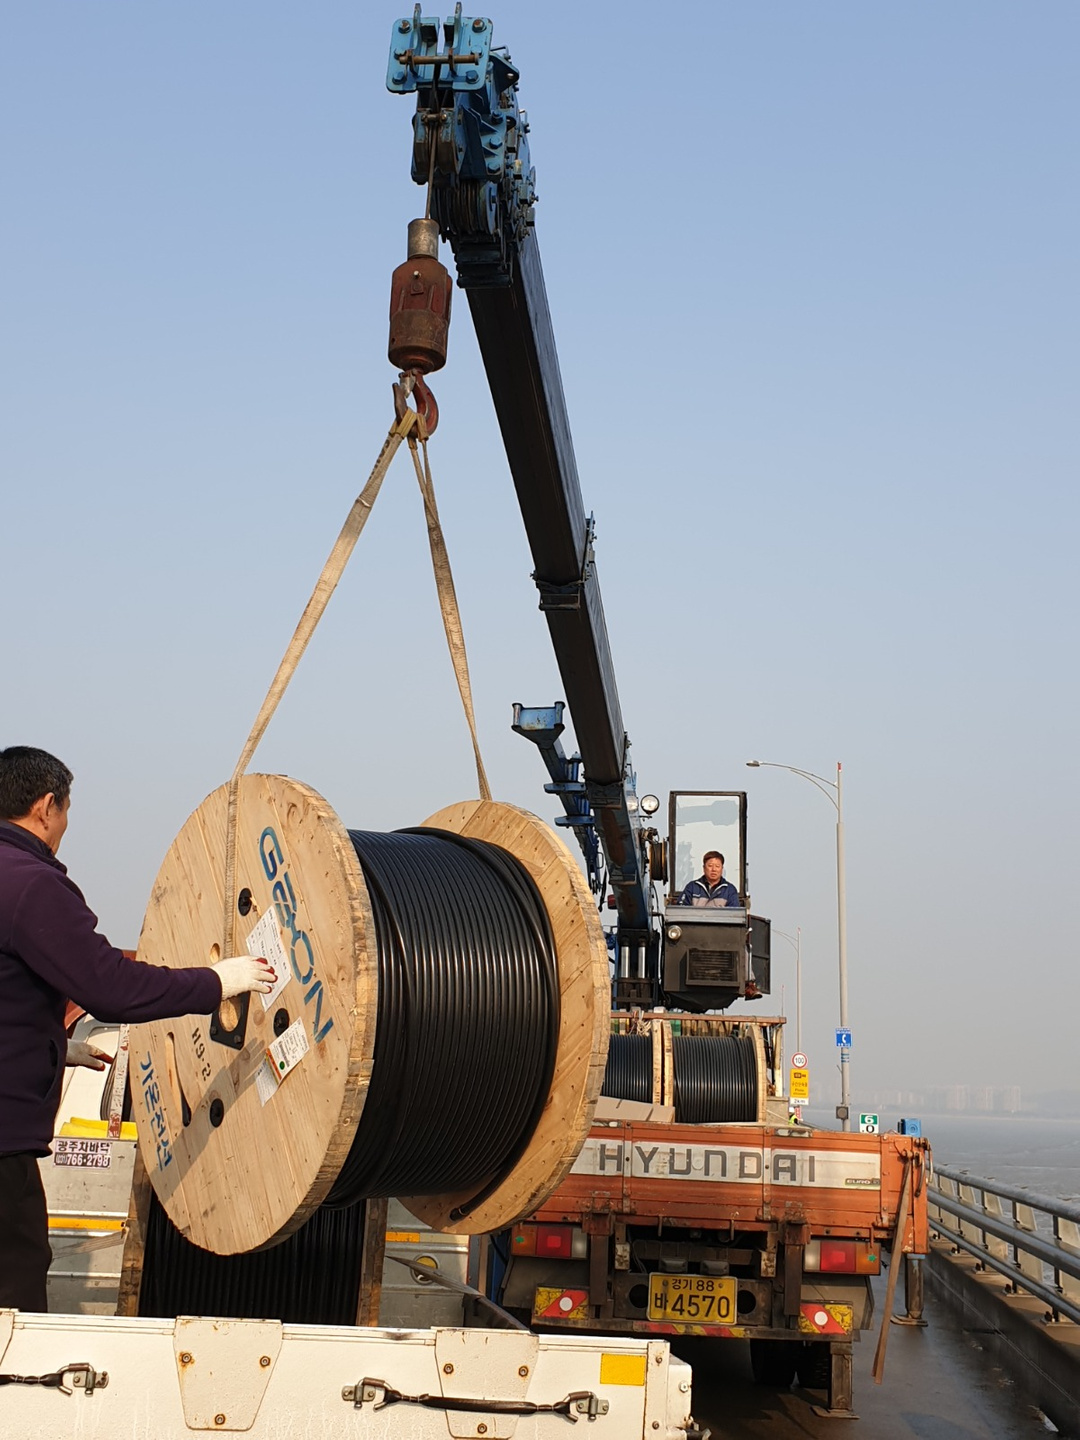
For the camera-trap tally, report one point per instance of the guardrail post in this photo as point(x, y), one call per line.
point(1028, 1265)
point(1067, 1235)
point(992, 1205)
point(966, 1195)
point(947, 1187)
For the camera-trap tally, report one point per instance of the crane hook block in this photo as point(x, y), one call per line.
point(420, 294)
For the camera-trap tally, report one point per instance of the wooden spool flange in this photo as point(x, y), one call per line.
point(236, 1174)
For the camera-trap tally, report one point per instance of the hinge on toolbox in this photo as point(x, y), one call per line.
point(83, 1377)
point(378, 1394)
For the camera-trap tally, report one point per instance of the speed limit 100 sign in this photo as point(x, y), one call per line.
point(798, 1062)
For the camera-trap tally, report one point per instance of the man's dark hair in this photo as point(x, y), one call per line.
point(713, 855)
point(26, 775)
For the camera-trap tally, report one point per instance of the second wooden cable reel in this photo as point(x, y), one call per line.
point(244, 1131)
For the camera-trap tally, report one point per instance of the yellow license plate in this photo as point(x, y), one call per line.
point(692, 1299)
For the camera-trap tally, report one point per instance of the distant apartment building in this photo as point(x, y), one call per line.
point(946, 1099)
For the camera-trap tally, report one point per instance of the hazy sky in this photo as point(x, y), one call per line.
point(813, 273)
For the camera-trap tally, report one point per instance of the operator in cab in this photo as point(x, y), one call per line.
point(710, 889)
point(50, 952)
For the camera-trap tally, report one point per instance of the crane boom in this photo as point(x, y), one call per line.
point(470, 147)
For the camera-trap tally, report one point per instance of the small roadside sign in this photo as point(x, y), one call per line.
point(798, 1062)
point(868, 1124)
point(843, 1039)
point(799, 1087)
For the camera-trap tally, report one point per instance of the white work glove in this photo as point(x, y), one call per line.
point(242, 973)
point(79, 1053)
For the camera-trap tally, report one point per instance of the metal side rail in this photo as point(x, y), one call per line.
point(1009, 1257)
point(174, 1379)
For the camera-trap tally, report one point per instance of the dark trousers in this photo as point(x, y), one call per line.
point(24, 1234)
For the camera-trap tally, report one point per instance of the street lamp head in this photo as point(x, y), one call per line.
point(753, 764)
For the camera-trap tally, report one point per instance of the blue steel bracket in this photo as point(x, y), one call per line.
point(416, 60)
point(483, 186)
point(543, 724)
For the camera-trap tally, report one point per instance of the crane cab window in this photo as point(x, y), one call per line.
point(704, 820)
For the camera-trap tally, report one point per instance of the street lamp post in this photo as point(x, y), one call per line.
point(834, 793)
point(796, 941)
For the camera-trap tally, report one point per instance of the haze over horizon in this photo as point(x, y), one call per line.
point(813, 276)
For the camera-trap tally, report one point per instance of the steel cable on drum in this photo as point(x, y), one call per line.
point(628, 1074)
point(716, 1078)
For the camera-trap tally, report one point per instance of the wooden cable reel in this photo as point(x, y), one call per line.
point(238, 1171)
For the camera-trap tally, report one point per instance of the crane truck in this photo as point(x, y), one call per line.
point(729, 1222)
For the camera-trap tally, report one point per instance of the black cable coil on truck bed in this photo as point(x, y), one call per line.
point(628, 1074)
point(716, 1076)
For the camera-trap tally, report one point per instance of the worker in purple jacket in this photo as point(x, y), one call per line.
point(50, 952)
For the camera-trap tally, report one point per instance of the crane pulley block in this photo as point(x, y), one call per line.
point(420, 294)
point(469, 140)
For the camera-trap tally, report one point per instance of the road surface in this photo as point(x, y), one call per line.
point(939, 1385)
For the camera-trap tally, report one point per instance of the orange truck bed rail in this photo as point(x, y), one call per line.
point(747, 1175)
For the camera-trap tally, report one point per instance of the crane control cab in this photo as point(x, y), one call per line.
point(714, 952)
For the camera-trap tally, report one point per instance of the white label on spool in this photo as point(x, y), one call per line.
point(265, 941)
point(282, 1056)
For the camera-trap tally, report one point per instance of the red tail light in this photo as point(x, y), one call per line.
point(841, 1257)
point(555, 1241)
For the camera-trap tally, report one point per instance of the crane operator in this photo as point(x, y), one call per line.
point(710, 888)
point(50, 952)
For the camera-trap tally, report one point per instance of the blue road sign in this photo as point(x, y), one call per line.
point(843, 1039)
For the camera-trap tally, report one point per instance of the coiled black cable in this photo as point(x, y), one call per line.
point(468, 1017)
point(716, 1078)
point(628, 1073)
point(312, 1278)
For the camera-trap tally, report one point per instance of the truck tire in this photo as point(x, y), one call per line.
point(774, 1362)
point(814, 1366)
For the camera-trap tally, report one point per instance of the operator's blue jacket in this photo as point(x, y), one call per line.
point(700, 892)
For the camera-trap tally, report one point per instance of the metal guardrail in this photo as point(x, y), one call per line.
point(1040, 1258)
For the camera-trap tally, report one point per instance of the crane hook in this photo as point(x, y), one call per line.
point(426, 408)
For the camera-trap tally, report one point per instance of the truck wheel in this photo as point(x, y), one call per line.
point(814, 1366)
point(773, 1362)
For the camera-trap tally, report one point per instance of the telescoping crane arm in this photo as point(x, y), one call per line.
point(470, 148)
